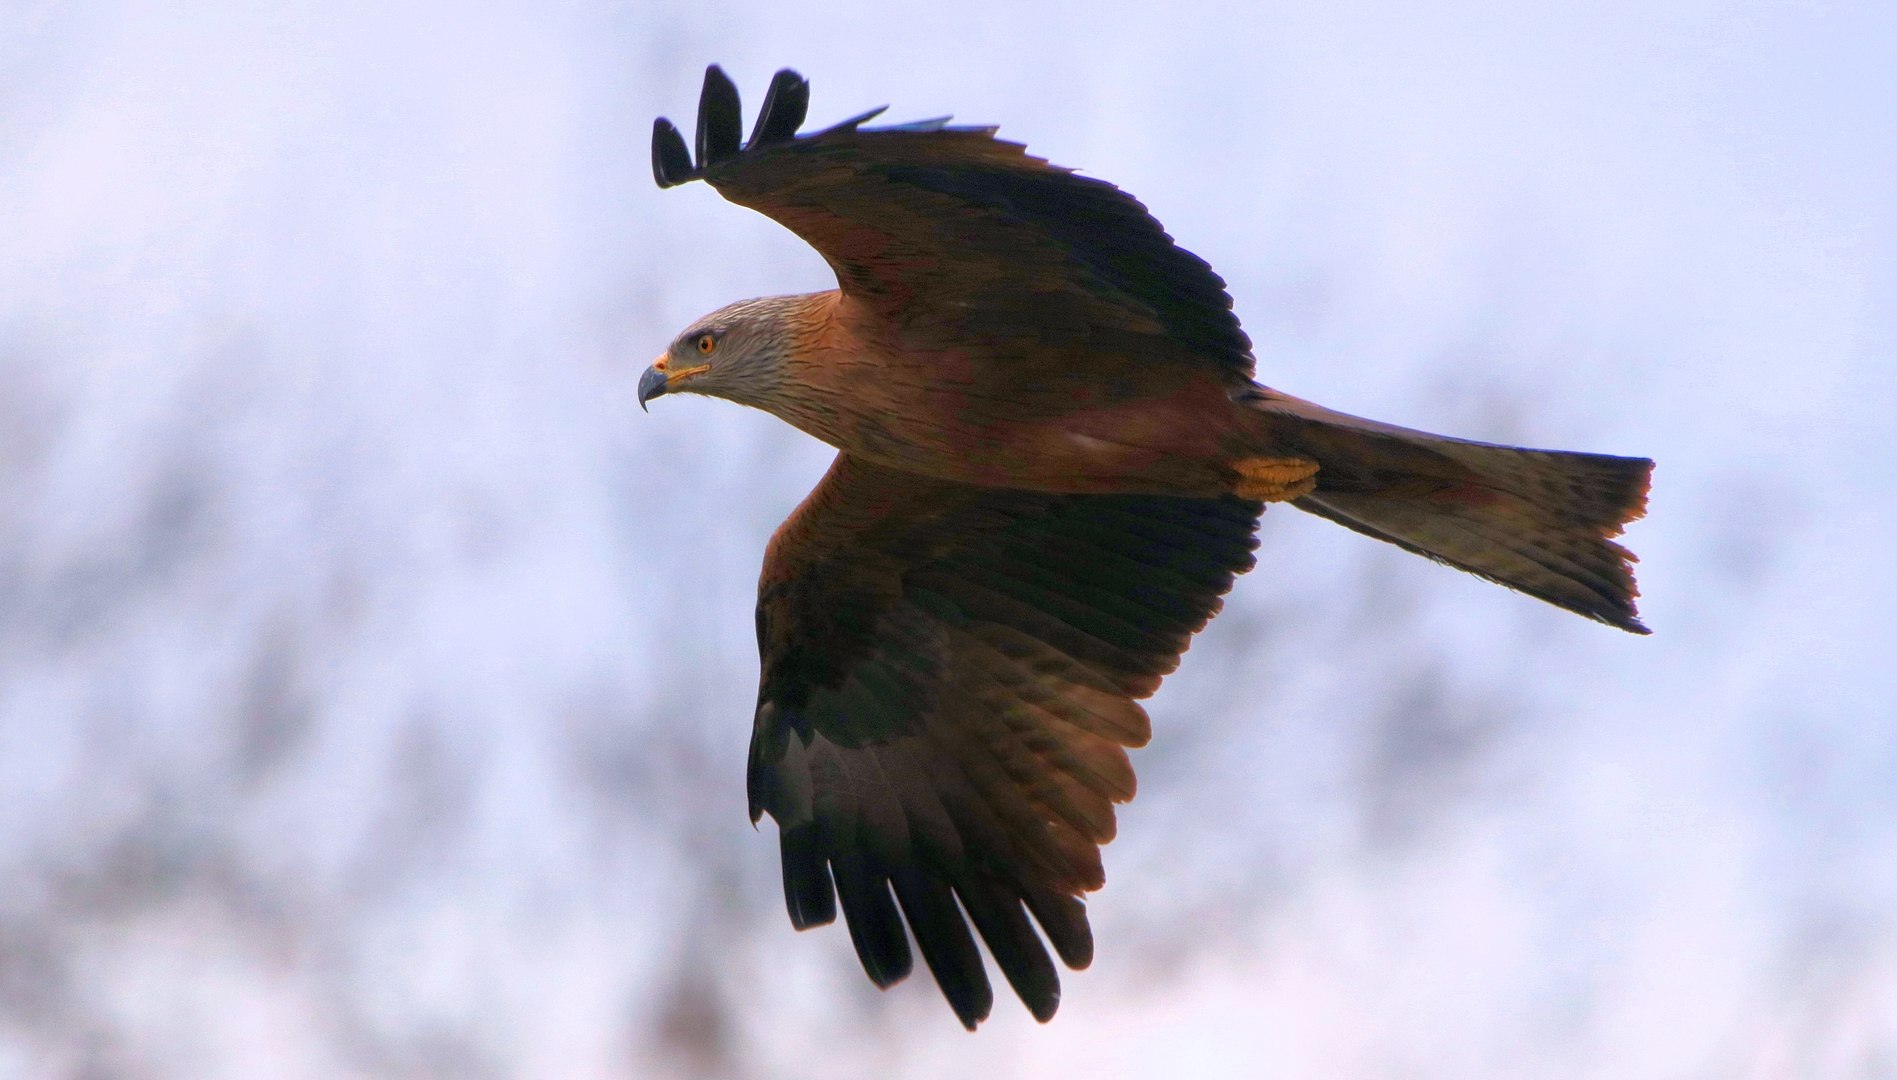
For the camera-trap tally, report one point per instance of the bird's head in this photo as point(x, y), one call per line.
point(736, 353)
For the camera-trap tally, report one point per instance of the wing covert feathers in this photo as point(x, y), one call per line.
point(949, 687)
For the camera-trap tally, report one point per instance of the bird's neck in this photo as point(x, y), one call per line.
point(831, 366)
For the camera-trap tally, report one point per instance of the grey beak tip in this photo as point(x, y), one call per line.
point(651, 385)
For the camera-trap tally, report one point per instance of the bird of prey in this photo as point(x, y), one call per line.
point(1051, 461)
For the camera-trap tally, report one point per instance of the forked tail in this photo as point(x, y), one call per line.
point(1540, 521)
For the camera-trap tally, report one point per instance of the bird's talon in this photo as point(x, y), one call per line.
point(1274, 479)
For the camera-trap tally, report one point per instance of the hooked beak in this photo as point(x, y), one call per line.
point(651, 385)
point(657, 380)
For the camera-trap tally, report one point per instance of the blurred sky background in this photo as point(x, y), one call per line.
point(375, 680)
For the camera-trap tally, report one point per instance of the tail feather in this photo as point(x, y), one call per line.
point(1538, 521)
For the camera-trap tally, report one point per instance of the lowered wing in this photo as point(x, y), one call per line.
point(950, 677)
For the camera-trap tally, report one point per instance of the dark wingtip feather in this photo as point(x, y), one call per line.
point(997, 912)
point(808, 892)
point(1064, 918)
point(785, 105)
point(671, 160)
point(720, 119)
point(875, 926)
point(947, 947)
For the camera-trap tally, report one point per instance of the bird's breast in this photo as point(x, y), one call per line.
point(1098, 429)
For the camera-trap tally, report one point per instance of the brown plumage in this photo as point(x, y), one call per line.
point(1052, 460)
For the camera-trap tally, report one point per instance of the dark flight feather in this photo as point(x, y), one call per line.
point(875, 926)
point(671, 159)
point(720, 119)
point(808, 891)
point(785, 104)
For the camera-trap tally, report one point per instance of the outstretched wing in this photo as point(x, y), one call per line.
point(949, 678)
point(951, 235)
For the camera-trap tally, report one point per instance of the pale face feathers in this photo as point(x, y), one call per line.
point(737, 352)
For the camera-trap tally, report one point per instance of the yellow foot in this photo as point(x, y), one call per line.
point(1274, 479)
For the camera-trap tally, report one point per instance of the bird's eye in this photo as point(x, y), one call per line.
point(706, 343)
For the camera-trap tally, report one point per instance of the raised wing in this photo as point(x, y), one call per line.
point(949, 678)
point(952, 235)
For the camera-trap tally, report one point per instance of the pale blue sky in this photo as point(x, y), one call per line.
point(375, 679)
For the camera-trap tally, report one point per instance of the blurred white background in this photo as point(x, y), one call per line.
point(375, 679)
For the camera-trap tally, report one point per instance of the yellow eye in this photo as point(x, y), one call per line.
point(706, 343)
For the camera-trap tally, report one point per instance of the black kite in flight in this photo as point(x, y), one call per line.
point(1051, 461)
